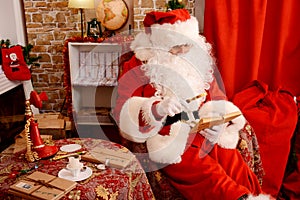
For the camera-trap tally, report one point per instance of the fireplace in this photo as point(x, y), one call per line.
point(12, 100)
point(12, 118)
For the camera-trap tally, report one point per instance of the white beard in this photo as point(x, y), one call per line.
point(175, 75)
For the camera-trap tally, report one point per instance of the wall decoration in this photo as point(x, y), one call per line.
point(113, 14)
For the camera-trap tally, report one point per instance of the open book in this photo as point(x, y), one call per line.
point(213, 121)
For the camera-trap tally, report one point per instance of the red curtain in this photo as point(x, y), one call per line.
point(258, 40)
point(255, 40)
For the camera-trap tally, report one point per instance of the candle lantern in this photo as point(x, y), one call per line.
point(94, 29)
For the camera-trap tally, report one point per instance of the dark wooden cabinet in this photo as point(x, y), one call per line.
point(12, 115)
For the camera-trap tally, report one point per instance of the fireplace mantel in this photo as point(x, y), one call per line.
point(5, 84)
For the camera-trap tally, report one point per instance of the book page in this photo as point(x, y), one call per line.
point(213, 121)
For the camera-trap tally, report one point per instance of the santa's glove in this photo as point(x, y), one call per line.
point(169, 106)
point(213, 133)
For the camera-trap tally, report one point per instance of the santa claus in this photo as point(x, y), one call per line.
point(163, 91)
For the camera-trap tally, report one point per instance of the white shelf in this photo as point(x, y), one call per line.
point(93, 72)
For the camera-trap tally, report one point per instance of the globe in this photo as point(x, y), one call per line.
point(112, 14)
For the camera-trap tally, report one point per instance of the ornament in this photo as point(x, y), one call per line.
point(16, 173)
point(75, 195)
point(175, 4)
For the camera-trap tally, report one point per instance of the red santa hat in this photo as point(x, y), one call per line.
point(165, 30)
point(166, 17)
point(168, 29)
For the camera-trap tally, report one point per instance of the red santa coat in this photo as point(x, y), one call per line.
point(220, 174)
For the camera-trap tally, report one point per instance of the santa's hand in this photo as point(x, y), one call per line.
point(169, 106)
point(212, 134)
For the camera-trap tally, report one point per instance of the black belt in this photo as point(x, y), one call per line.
point(178, 117)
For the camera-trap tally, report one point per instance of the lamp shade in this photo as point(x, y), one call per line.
point(81, 4)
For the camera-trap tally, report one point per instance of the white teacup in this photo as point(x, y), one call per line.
point(75, 170)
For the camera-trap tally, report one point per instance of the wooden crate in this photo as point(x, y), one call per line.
point(53, 124)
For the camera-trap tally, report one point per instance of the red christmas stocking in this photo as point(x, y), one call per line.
point(14, 65)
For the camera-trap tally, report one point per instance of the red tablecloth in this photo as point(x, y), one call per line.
point(111, 183)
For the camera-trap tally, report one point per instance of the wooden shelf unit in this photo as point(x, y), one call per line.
point(94, 69)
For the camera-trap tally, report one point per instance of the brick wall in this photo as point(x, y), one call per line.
point(49, 23)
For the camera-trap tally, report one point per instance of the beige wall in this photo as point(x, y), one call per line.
point(11, 23)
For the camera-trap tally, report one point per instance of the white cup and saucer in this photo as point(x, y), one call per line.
point(75, 170)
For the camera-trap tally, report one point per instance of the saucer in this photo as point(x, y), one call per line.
point(66, 174)
point(70, 147)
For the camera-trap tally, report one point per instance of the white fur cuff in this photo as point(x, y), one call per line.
point(148, 115)
point(129, 120)
point(259, 197)
point(169, 148)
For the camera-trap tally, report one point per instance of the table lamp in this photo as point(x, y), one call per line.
point(81, 4)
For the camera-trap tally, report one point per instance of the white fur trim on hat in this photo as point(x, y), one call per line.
point(169, 148)
point(129, 120)
point(230, 136)
point(168, 35)
point(259, 197)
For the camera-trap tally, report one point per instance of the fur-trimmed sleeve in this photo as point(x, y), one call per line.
point(130, 117)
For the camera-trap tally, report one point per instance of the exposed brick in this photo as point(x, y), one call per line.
point(45, 66)
point(55, 48)
point(40, 4)
point(32, 25)
point(31, 36)
point(45, 58)
point(46, 106)
point(57, 59)
point(39, 48)
point(48, 18)
point(61, 25)
point(34, 78)
point(27, 4)
point(53, 95)
point(136, 2)
point(58, 67)
point(160, 3)
point(43, 78)
point(38, 85)
point(147, 4)
point(60, 17)
point(37, 18)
